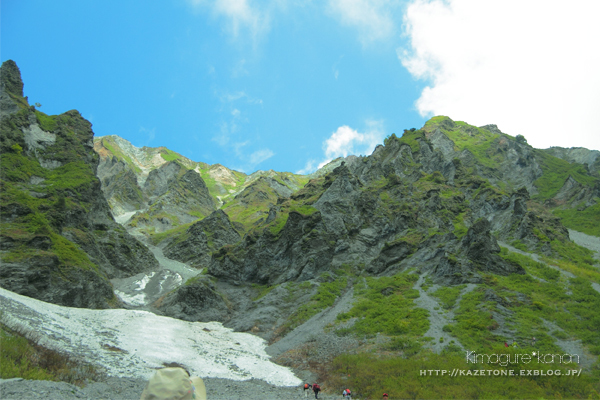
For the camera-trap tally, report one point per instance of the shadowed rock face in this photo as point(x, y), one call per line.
point(379, 211)
point(202, 238)
point(174, 195)
point(196, 301)
point(37, 278)
point(482, 249)
point(120, 186)
point(589, 158)
point(60, 243)
point(10, 84)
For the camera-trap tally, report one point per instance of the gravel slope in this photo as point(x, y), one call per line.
point(587, 241)
point(130, 389)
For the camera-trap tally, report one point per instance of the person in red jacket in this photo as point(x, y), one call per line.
point(316, 388)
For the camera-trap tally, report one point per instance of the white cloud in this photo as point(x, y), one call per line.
point(237, 147)
point(236, 113)
point(346, 141)
point(311, 166)
point(243, 19)
point(529, 67)
point(259, 156)
point(250, 161)
point(370, 17)
point(335, 69)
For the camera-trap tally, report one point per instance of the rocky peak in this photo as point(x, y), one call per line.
point(159, 179)
point(11, 88)
point(63, 244)
point(10, 78)
point(491, 128)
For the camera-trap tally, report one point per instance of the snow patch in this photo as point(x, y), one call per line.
point(130, 343)
point(123, 218)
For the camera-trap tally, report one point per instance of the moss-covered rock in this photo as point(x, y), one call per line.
point(60, 242)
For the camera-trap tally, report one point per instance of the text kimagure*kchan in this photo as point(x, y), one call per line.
point(525, 358)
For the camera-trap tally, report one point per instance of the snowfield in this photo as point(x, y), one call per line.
point(132, 343)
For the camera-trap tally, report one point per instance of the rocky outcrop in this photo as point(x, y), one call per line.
point(298, 252)
point(11, 89)
point(481, 248)
point(41, 277)
point(176, 196)
point(201, 239)
point(120, 186)
point(60, 242)
point(197, 300)
point(416, 202)
point(580, 155)
point(157, 168)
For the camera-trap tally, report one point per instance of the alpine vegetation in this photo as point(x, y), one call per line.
point(449, 250)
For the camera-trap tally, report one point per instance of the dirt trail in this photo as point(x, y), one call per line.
point(589, 242)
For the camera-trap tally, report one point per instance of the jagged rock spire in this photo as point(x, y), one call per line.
point(10, 78)
point(10, 82)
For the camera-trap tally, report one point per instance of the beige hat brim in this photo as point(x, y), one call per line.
point(200, 389)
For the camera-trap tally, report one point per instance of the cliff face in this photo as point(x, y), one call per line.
point(580, 155)
point(440, 207)
point(424, 200)
point(447, 238)
point(201, 239)
point(59, 241)
point(153, 181)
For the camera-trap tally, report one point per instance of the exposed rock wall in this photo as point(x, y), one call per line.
point(202, 238)
point(59, 240)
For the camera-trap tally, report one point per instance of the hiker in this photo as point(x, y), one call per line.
point(533, 341)
point(505, 344)
point(174, 384)
point(385, 396)
point(307, 387)
point(515, 345)
point(316, 388)
point(347, 394)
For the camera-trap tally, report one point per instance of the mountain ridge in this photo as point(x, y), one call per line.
point(445, 238)
point(59, 241)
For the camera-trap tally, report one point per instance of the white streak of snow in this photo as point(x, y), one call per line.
point(130, 343)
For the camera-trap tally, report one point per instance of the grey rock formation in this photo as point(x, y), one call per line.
point(201, 239)
point(197, 300)
point(59, 240)
point(178, 193)
point(11, 88)
point(120, 186)
point(580, 155)
point(37, 277)
point(359, 222)
point(482, 249)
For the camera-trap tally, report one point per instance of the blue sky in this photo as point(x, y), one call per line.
point(288, 85)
